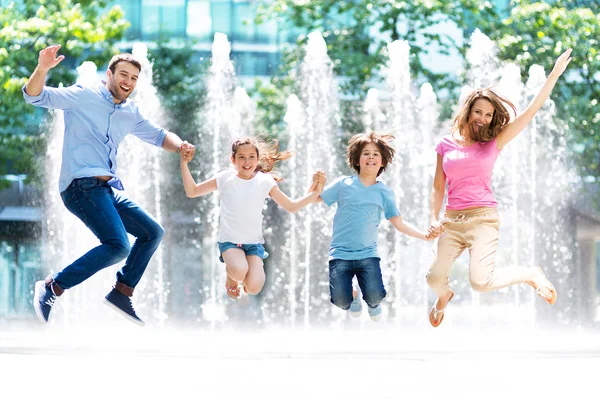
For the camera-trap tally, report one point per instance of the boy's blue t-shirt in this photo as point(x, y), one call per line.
point(357, 216)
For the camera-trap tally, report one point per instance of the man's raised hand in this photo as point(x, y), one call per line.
point(48, 59)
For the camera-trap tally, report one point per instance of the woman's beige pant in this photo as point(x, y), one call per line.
point(477, 230)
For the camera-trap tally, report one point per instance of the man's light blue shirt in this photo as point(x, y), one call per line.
point(357, 217)
point(94, 128)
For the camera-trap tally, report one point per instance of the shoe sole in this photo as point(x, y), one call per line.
point(356, 314)
point(127, 316)
point(376, 317)
point(36, 303)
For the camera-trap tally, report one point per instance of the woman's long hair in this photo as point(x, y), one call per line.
point(500, 118)
point(267, 153)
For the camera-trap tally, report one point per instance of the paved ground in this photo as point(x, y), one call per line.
point(123, 361)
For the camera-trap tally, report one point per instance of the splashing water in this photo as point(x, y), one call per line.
point(140, 167)
point(313, 121)
point(482, 61)
point(374, 118)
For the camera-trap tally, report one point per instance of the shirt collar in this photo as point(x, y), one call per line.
point(108, 95)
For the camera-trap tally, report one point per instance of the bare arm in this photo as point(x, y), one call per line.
point(436, 198)
point(408, 229)
point(511, 130)
point(47, 60)
point(191, 188)
point(294, 205)
point(437, 191)
point(172, 142)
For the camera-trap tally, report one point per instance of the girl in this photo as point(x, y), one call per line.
point(361, 200)
point(243, 193)
point(465, 160)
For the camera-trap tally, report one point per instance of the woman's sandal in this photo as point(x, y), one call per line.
point(550, 295)
point(434, 313)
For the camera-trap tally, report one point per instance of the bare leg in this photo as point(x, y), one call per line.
point(255, 278)
point(237, 268)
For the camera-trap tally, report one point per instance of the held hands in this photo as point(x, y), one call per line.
point(186, 151)
point(48, 59)
point(561, 62)
point(318, 182)
point(435, 229)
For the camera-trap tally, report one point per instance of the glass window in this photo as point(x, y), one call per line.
point(598, 267)
point(243, 25)
point(150, 20)
point(20, 267)
point(163, 19)
point(199, 22)
point(7, 261)
point(220, 12)
point(248, 63)
point(132, 9)
point(28, 272)
point(267, 32)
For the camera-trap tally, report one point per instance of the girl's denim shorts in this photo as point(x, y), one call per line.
point(250, 249)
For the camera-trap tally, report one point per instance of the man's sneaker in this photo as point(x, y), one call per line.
point(121, 303)
point(356, 307)
point(43, 300)
point(375, 312)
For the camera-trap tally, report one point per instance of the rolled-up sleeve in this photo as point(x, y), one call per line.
point(149, 132)
point(59, 98)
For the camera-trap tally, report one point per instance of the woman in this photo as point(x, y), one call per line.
point(466, 160)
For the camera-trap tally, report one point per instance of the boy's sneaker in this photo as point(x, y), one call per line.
point(356, 306)
point(121, 303)
point(43, 300)
point(375, 312)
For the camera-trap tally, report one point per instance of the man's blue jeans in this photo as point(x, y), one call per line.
point(110, 216)
point(369, 277)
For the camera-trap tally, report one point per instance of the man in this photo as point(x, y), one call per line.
point(96, 121)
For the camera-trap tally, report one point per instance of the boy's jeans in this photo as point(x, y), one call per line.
point(110, 216)
point(369, 277)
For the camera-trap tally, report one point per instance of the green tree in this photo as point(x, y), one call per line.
point(178, 77)
point(536, 33)
point(87, 30)
point(533, 32)
point(357, 32)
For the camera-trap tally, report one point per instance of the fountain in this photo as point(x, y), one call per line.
point(530, 198)
point(404, 259)
point(374, 119)
point(227, 115)
point(140, 167)
point(313, 121)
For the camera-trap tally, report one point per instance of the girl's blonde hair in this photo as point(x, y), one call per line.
point(500, 118)
point(268, 154)
point(358, 142)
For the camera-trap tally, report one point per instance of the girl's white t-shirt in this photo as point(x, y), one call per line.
point(242, 202)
